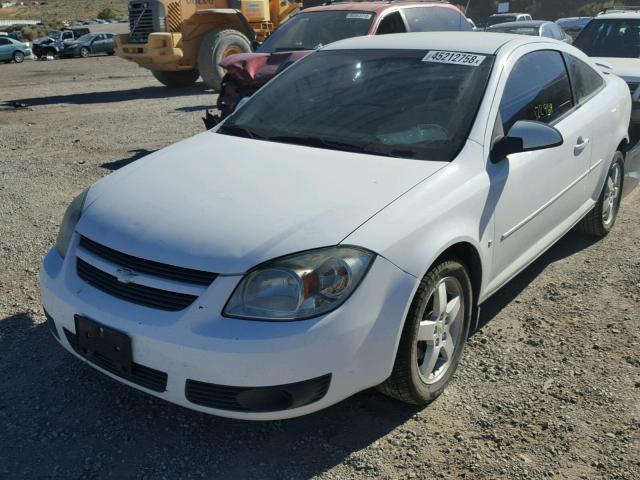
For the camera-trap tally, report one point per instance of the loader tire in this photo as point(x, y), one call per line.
point(179, 79)
point(216, 46)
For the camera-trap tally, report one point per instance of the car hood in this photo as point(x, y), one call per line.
point(225, 204)
point(627, 68)
point(43, 41)
point(259, 68)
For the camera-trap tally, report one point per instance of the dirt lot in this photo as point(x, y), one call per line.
point(549, 387)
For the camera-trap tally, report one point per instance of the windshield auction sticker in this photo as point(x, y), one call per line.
point(455, 58)
point(361, 16)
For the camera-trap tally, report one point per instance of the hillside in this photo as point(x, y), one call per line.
point(63, 9)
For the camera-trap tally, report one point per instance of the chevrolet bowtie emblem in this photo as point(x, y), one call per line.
point(124, 275)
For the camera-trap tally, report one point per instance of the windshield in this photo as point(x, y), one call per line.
point(533, 31)
point(309, 31)
point(55, 34)
point(86, 38)
point(610, 38)
point(398, 103)
point(501, 19)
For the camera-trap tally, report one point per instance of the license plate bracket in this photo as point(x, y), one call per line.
point(100, 344)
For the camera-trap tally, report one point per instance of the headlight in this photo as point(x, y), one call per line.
point(69, 221)
point(300, 286)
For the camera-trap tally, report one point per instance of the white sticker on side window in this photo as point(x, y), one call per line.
point(455, 58)
point(363, 16)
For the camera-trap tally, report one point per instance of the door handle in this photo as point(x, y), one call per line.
point(582, 143)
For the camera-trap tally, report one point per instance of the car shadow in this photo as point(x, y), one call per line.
point(114, 96)
point(60, 415)
point(571, 243)
point(135, 155)
point(196, 108)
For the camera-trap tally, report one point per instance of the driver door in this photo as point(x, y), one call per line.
point(537, 193)
point(97, 46)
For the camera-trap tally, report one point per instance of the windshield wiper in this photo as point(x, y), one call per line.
point(238, 131)
point(291, 49)
point(338, 145)
point(318, 142)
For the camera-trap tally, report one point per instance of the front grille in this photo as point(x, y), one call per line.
point(174, 17)
point(142, 265)
point(140, 21)
point(140, 294)
point(140, 375)
point(257, 399)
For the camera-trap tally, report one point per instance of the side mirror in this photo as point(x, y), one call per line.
point(255, 45)
point(526, 136)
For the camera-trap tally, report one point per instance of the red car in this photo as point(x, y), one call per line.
point(314, 27)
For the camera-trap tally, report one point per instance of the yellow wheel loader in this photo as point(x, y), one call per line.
point(181, 40)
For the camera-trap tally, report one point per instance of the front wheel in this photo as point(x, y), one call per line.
point(215, 47)
point(84, 52)
point(433, 336)
point(601, 219)
point(178, 79)
point(18, 57)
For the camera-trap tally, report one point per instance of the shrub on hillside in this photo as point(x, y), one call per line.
point(106, 14)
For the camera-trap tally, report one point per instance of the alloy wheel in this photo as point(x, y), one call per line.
point(611, 199)
point(440, 330)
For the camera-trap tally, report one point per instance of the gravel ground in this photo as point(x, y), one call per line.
point(548, 388)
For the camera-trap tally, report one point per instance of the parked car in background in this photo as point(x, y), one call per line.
point(318, 26)
point(12, 50)
point(535, 28)
point(90, 44)
point(340, 230)
point(573, 26)
point(54, 44)
point(612, 39)
point(497, 18)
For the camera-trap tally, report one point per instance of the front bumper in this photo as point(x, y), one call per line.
point(203, 353)
point(160, 52)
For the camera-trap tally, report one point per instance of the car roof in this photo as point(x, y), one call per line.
point(476, 42)
point(520, 24)
point(619, 15)
point(514, 14)
point(377, 7)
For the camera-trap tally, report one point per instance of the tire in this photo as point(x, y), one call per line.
point(601, 219)
point(179, 79)
point(112, 52)
point(18, 57)
point(84, 52)
point(432, 341)
point(215, 46)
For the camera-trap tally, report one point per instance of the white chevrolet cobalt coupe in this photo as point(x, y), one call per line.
point(340, 230)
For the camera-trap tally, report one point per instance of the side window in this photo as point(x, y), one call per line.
point(435, 19)
point(538, 88)
point(584, 79)
point(4, 41)
point(392, 23)
point(556, 31)
point(67, 35)
point(545, 31)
